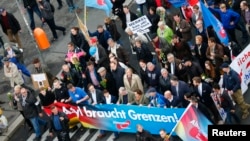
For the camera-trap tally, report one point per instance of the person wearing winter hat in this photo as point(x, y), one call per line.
point(92, 50)
point(13, 53)
point(102, 36)
point(156, 99)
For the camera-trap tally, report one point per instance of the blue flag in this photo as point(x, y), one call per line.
point(105, 5)
point(210, 20)
point(178, 3)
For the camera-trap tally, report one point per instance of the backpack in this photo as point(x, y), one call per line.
point(52, 7)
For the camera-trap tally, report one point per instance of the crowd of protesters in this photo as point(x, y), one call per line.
point(188, 67)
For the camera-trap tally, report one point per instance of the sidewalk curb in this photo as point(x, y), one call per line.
point(17, 123)
point(12, 128)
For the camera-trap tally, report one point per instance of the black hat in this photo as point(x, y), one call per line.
point(153, 35)
point(151, 90)
point(186, 59)
point(5, 59)
point(2, 10)
point(224, 65)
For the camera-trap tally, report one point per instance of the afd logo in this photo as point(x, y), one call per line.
point(122, 125)
point(246, 76)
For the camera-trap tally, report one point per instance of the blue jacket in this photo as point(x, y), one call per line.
point(102, 37)
point(77, 95)
point(160, 100)
point(231, 81)
point(227, 17)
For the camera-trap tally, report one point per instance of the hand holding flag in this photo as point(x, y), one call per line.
point(105, 5)
point(211, 20)
point(192, 125)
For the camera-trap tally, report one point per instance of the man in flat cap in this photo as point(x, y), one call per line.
point(11, 71)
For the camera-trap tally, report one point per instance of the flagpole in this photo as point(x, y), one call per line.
point(205, 2)
point(172, 131)
point(85, 14)
point(31, 32)
point(83, 28)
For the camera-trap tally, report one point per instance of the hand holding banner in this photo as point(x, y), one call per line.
point(122, 118)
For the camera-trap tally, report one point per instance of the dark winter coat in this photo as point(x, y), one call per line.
point(13, 23)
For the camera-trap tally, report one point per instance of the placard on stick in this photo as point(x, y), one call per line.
point(40, 80)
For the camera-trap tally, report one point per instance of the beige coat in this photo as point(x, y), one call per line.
point(13, 74)
point(131, 98)
point(135, 83)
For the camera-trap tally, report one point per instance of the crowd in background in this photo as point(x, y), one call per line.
point(187, 66)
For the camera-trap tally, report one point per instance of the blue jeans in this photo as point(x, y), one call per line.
point(36, 122)
point(1, 63)
point(31, 11)
point(70, 3)
point(140, 6)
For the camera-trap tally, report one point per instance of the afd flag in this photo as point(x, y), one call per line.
point(193, 125)
point(105, 5)
point(178, 3)
point(210, 19)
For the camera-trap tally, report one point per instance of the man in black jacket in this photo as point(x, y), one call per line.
point(32, 110)
point(143, 135)
point(10, 26)
point(127, 16)
point(48, 17)
point(32, 7)
point(59, 124)
point(203, 91)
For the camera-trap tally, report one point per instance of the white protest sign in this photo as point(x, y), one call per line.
point(139, 25)
point(221, 111)
point(241, 64)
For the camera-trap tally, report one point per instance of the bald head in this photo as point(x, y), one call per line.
point(168, 94)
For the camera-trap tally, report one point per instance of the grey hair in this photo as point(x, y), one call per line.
point(164, 70)
point(128, 29)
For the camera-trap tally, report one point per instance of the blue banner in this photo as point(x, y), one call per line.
point(124, 118)
point(178, 3)
point(210, 20)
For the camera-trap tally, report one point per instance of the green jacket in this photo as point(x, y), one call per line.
point(166, 34)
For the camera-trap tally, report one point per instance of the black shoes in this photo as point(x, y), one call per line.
point(37, 138)
point(45, 127)
point(59, 7)
point(115, 138)
point(101, 136)
point(53, 39)
point(64, 32)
